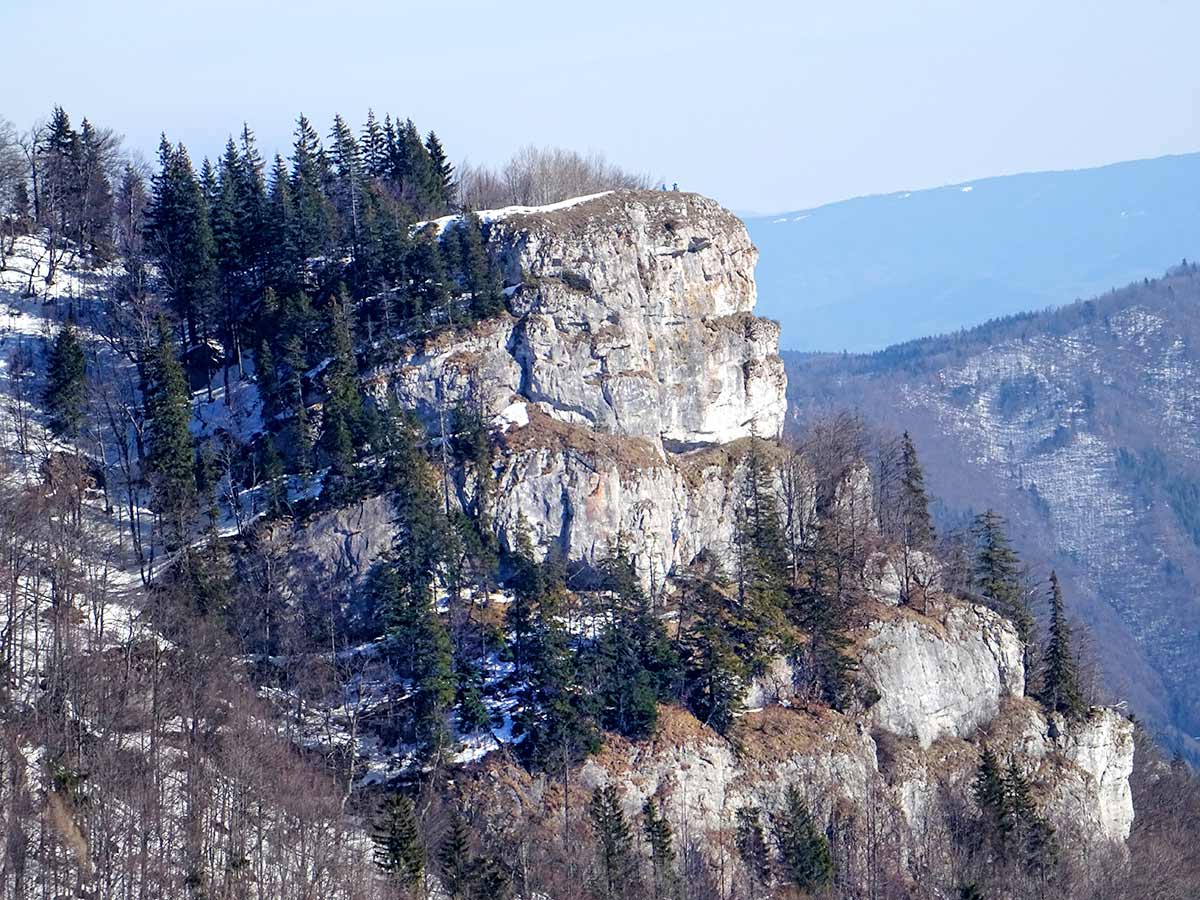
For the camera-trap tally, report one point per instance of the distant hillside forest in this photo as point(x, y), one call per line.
point(1084, 419)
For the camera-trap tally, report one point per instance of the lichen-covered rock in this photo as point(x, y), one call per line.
point(942, 678)
point(577, 492)
point(1090, 792)
point(904, 575)
point(631, 313)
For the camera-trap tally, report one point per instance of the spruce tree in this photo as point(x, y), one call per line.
point(665, 880)
point(762, 560)
point(374, 147)
point(342, 414)
point(804, 852)
point(95, 195)
point(633, 662)
point(1031, 836)
point(181, 241)
point(1060, 681)
point(479, 277)
point(398, 847)
point(171, 458)
point(405, 584)
point(751, 842)
point(284, 264)
point(454, 859)
point(346, 193)
point(998, 574)
point(997, 567)
point(614, 844)
point(66, 384)
point(312, 226)
point(992, 798)
point(552, 712)
point(442, 172)
point(820, 609)
point(274, 477)
point(918, 526)
point(428, 293)
point(714, 648)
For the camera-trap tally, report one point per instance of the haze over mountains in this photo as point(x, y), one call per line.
point(1080, 426)
point(917, 263)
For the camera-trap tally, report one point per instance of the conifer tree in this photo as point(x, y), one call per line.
point(997, 567)
point(252, 208)
point(1060, 681)
point(614, 844)
point(1032, 837)
point(405, 587)
point(94, 194)
point(412, 170)
point(714, 650)
point(918, 526)
point(282, 255)
point(633, 663)
point(804, 852)
point(751, 842)
point(454, 859)
point(665, 880)
point(181, 240)
point(129, 216)
point(171, 459)
point(762, 560)
point(427, 271)
point(374, 147)
point(992, 797)
point(311, 214)
point(479, 278)
point(347, 185)
point(551, 713)
point(998, 573)
point(342, 416)
point(274, 476)
point(397, 837)
point(819, 608)
point(66, 384)
point(442, 171)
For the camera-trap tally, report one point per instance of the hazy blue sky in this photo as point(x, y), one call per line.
point(764, 105)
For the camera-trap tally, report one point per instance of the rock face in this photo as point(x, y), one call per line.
point(626, 380)
point(944, 681)
point(629, 313)
point(629, 343)
point(577, 492)
point(906, 764)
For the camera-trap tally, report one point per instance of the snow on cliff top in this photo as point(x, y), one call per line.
point(495, 215)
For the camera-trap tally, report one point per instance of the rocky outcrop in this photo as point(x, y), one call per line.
point(629, 313)
point(900, 772)
point(942, 677)
point(577, 492)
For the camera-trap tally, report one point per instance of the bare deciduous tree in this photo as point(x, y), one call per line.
point(535, 176)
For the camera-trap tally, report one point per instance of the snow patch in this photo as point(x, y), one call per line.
point(515, 415)
point(495, 215)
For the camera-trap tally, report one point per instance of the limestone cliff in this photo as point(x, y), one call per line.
point(629, 345)
point(625, 382)
point(630, 313)
point(900, 771)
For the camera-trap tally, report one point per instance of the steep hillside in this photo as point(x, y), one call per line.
point(927, 262)
point(1081, 426)
point(573, 584)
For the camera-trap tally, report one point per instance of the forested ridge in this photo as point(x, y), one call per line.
point(165, 728)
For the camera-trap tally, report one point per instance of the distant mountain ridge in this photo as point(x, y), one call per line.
point(1082, 426)
point(915, 263)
